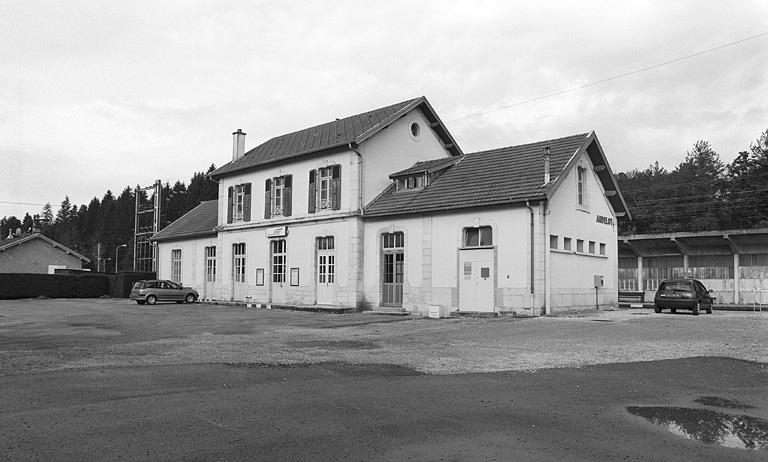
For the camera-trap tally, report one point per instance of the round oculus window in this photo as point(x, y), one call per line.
point(415, 130)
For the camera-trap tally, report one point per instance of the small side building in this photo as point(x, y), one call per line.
point(186, 249)
point(37, 253)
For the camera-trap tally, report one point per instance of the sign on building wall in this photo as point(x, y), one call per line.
point(605, 220)
point(278, 231)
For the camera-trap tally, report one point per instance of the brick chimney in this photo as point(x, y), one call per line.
point(238, 144)
point(546, 165)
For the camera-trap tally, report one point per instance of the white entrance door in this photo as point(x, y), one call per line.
point(279, 270)
point(476, 280)
point(238, 271)
point(210, 273)
point(326, 270)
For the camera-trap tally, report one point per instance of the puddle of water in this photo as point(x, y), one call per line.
point(601, 320)
point(717, 401)
point(335, 344)
point(707, 426)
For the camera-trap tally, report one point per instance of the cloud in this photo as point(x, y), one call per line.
point(115, 94)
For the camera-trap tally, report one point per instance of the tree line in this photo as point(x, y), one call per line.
point(109, 221)
point(701, 193)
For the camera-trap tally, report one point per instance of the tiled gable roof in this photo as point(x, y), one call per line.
point(9, 243)
point(338, 133)
point(504, 175)
point(200, 221)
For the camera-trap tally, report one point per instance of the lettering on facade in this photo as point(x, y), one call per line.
point(278, 231)
point(605, 220)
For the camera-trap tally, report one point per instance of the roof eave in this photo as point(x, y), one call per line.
point(215, 176)
point(449, 208)
point(437, 125)
point(179, 237)
point(590, 138)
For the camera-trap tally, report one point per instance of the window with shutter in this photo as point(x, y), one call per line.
point(239, 203)
point(325, 176)
point(325, 188)
point(280, 194)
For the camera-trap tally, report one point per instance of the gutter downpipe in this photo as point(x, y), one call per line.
point(547, 272)
point(532, 253)
point(360, 177)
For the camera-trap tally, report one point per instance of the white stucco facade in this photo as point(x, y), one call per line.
point(529, 257)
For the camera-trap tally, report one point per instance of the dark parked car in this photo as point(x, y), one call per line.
point(685, 294)
point(150, 292)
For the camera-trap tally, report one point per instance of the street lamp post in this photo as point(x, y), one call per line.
point(116, 249)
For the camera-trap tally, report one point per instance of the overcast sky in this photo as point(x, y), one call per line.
point(99, 95)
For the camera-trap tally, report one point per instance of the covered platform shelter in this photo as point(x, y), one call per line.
point(733, 263)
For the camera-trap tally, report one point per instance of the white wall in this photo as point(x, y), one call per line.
point(192, 260)
point(394, 149)
point(432, 245)
point(300, 253)
point(300, 169)
point(571, 273)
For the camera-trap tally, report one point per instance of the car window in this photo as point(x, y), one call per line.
point(173, 285)
point(676, 286)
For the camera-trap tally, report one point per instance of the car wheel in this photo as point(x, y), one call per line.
point(151, 300)
point(657, 309)
point(190, 298)
point(140, 302)
point(696, 308)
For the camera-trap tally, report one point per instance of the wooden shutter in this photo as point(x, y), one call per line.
point(268, 198)
point(287, 195)
point(312, 192)
point(247, 202)
point(336, 187)
point(231, 193)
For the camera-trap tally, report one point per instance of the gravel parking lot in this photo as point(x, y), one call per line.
point(47, 335)
point(112, 380)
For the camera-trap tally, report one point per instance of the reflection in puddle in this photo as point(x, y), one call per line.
point(722, 402)
point(711, 427)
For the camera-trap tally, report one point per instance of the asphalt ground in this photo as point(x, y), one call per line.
point(109, 380)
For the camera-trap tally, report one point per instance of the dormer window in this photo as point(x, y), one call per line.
point(411, 182)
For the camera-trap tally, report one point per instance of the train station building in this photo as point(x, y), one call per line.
point(383, 211)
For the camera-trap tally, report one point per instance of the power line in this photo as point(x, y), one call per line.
point(608, 79)
point(20, 203)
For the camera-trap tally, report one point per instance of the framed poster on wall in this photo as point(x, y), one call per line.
point(259, 276)
point(294, 276)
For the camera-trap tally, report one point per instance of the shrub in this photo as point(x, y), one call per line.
point(13, 285)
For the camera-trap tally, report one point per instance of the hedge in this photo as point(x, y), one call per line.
point(14, 285)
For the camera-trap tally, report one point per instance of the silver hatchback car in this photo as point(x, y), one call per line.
point(153, 291)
